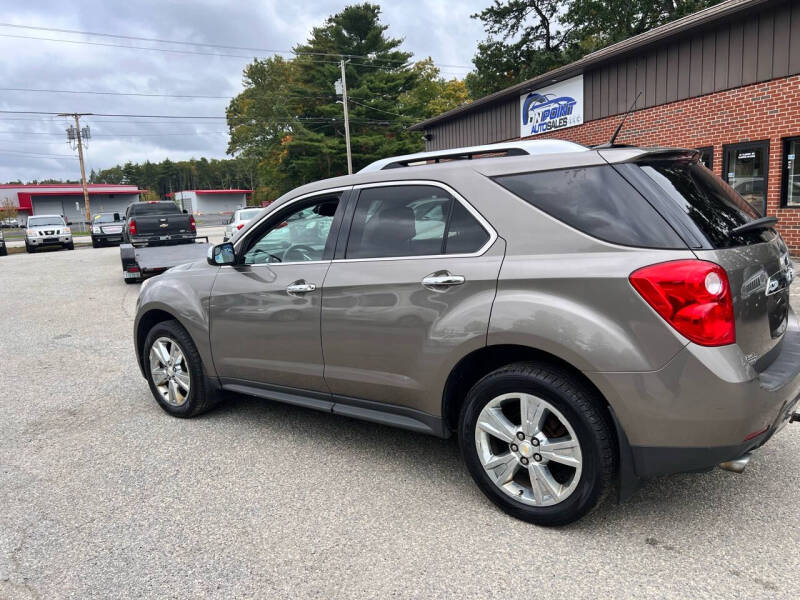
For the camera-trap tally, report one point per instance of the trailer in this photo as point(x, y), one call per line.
point(139, 262)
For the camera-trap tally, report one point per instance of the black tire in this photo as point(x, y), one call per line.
point(29, 249)
point(584, 411)
point(3, 251)
point(199, 398)
point(70, 246)
point(95, 243)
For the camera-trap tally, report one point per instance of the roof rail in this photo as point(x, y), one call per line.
point(515, 148)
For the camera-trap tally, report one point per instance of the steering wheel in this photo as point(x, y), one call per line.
point(297, 253)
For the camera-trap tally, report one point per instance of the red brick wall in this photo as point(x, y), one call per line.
point(762, 111)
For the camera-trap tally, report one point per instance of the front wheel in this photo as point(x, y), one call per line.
point(70, 246)
point(175, 371)
point(538, 443)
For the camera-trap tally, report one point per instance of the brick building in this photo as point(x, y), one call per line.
point(725, 80)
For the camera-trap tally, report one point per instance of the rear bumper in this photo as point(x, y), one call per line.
point(706, 406)
point(162, 239)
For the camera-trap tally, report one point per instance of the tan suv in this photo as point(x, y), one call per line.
point(577, 316)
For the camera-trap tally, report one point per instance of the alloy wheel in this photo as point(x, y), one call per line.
point(528, 449)
point(169, 371)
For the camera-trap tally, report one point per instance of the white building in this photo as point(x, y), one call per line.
point(211, 202)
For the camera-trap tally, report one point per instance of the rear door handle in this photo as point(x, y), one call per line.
point(300, 287)
point(442, 279)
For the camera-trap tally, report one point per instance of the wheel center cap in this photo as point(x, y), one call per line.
point(525, 449)
point(170, 372)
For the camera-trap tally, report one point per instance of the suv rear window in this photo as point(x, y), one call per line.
point(597, 201)
point(712, 205)
point(154, 208)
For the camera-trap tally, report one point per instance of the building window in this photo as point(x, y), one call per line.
point(790, 192)
point(744, 167)
point(707, 156)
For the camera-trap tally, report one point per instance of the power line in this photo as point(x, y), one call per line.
point(383, 111)
point(164, 95)
point(38, 154)
point(172, 51)
point(136, 116)
point(209, 45)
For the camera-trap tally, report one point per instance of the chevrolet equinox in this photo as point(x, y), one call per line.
point(580, 318)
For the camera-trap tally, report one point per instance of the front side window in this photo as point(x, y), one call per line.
point(745, 169)
point(791, 172)
point(412, 220)
point(300, 236)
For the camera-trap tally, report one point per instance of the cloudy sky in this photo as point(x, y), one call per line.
point(34, 146)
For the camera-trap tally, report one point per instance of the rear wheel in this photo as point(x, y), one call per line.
point(538, 443)
point(175, 371)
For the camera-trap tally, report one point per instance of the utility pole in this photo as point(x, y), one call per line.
point(75, 135)
point(346, 119)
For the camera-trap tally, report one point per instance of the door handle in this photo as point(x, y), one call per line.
point(442, 279)
point(300, 287)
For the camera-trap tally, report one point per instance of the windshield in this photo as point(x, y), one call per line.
point(44, 221)
point(714, 207)
point(155, 208)
point(246, 215)
point(104, 218)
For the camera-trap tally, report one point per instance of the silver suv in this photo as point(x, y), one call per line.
point(578, 317)
point(47, 230)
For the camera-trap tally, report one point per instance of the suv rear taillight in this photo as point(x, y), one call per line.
point(693, 296)
point(132, 227)
point(192, 224)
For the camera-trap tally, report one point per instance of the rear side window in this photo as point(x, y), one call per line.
point(712, 205)
point(412, 220)
point(597, 201)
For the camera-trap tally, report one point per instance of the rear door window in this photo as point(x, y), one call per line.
point(412, 220)
point(597, 201)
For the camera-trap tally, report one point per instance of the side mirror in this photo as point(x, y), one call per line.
point(221, 254)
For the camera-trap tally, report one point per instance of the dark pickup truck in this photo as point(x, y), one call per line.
point(154, 223)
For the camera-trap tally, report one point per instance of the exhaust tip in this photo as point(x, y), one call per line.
point(736, 465)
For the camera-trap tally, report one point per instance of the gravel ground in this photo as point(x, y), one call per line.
point(102, 495)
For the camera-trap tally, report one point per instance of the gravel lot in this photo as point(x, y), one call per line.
point(103, 495)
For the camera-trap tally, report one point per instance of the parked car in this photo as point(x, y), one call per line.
point(106, 228)
point(47, 230)
point(152, 223)
point(239, 219)
point(3, 250)
point(580, 316)
point(9, 223)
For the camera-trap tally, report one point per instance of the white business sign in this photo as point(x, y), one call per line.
point(551, 108)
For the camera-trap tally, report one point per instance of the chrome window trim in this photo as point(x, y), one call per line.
point(459, 198)
point(237, 243)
